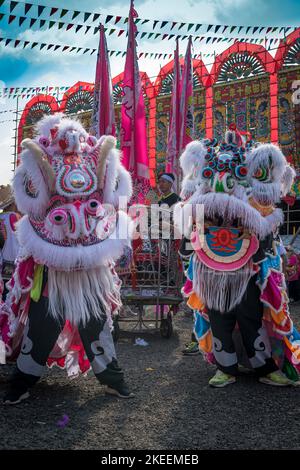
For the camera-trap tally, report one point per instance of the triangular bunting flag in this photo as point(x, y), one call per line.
point(190, 26)
point(53, 11)
point(248, 29)
point(209, 27)
point(182, 24)
point(145, 21)
point(63, 12)
point(50, 46)
point(111, 32)
point(11, 19)
point(27, 7)
point(118, 18)
point(155, 23)
point(65, 48)
point(51, 24)
point(87, 29)
point(232, 29)
point(255, 29)
point(69, 26)
point(173, 24)
point(60, 25)
point(164, 37)
point(25, 44)
point(78, 28)
point(143, 35)
point(86, 16)
point(17, 42)
point(163, 24)
point(121, 32)
point(198, 27)
point(75, 14)
point(41, 8)
point(86, 50)
point(95, 17)
point(217, 28)
point(33, 45)
point(157, 35)
point(261, 29)
point(240, 29)
point(12, 6)
point(42, 23)
point(57, 47)
point(108, 18)
point(42, 46)
point(224, 29)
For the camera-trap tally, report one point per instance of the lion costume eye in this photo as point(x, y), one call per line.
point(262, 174)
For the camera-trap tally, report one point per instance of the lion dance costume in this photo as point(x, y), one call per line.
point(235, 283)
point(65, 290)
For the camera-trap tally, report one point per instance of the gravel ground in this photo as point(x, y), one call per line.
point(174, 407)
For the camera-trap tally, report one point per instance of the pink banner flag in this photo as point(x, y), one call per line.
point(103, 120)
point(186, 102)
point(133, 129)
point(173, 149)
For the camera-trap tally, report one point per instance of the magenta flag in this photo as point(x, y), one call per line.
point(103, 120)
point(186, 102)
point(133, 125)
point(173, 149)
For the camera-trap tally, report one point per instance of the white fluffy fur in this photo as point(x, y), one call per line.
point(107, 146)
point(230, 208)
point(29, 168)
point(78, 257)
point(193, 154)
point(220, 291)
point(48, 122)
point(80, 295)
point(117, 180)
point(288, 180)
point(266, 192)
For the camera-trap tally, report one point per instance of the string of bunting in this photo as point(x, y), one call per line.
point(53, 12)
point(65, 48)
point(43, 25)
point(26, 92)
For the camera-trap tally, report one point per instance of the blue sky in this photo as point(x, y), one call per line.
point(27, 67)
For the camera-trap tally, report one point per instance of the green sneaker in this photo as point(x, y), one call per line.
point(276, 378)
point(192, 349)
point(220, 379)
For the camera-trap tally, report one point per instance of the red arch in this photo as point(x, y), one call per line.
point(146, 83)
point(199, 69)
point(284, 47)
point(36, 99)
point(265, 58)
point(84, 86)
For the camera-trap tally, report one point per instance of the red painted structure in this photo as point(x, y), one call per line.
point(240, 58)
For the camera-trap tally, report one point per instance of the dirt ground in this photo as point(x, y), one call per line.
point(174, 407)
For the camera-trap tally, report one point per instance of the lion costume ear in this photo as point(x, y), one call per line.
point(191, 162)
point(113, 178)
point(287, 180)
point(34, 180)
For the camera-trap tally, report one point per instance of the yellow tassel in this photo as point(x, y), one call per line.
point(36, 290)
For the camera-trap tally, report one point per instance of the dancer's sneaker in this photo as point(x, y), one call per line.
point(192, 349)
point(119, 390)
point(220, 379)
point(276, 378)
point(15, 395)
